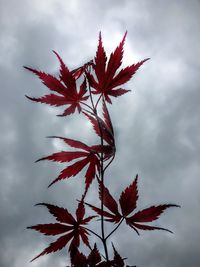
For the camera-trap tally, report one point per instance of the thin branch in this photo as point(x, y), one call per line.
point(98, 100)
point(87, 111)
point(109, 163)
point(91, 113)
point(101, 174)
point(91, 99)
point(114, 229)
point(91, 231)
point(86, 105)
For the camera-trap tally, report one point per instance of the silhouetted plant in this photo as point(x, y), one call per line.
point(100, 80)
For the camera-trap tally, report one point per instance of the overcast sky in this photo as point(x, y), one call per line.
point(156, 124)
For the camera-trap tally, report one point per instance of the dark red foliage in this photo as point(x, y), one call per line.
point(107, 119)
point(88, 156)
point(78, 259)
point(128, 198)
point(103, 77)
point(101, 128)
point(72, 228)
point(65, 87)
point(108, 77)
point(117, 261)
point(128, 203)
point(81, 70)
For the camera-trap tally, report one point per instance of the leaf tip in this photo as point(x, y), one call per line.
point(30, 98)
point(37, 160)
point(146, 59)
point(126, 32)
point(51, 184)
point(39, 204)
point(51, 136)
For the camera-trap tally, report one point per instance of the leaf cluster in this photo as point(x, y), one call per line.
point(88, 90)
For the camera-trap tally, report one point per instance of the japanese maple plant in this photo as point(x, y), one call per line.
point(89, 90)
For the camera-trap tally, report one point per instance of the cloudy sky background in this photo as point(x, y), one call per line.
point(156, 125)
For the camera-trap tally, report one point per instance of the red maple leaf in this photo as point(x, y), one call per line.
point(103, 128)
point(128, 203)
point(72, 228)
point(107, 119)
point(117, 261)
point(78, 259)
point(108, 77)
point(66, 88)
point(87, 156)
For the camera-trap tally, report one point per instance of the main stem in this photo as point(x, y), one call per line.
point(102, 198)
point(101, 176)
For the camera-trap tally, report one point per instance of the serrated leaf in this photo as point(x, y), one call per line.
point(62, 215)
point(117, 261)
point(51, 228)
point(108, 75)
point(66, 87)
point(64, 156)
point(73, 143)
point(100, 60)
point(144, 227)
point(128, 198)
point(90, 159)
point(109, 216)
point(50, 81)
point(71, 170)
point(94, 257)
point(107, 118)
point(151, 214)
point(60, 243)
point(74, 228)
point(100, 128)
point(108, 201)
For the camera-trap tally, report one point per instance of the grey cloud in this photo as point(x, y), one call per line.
point(158, 136)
